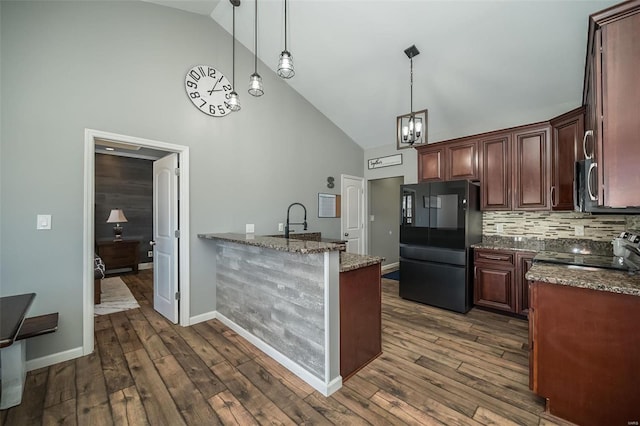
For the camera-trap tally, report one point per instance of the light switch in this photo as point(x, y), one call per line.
point(500, 228)
point(372, 218)
point(43, 221)
point(250, 228)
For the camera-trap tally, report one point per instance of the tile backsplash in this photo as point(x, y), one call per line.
point(554, 225)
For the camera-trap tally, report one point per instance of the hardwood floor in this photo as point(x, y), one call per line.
point(437, 367)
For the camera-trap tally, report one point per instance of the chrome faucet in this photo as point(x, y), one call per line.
point(286, 227)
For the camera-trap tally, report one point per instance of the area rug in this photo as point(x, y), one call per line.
point(395, 275)
point(116, 297)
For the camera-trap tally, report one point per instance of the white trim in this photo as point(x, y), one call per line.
point(203, 317)
point(90, 135)
point(56, 358)
point(390, 267)
point(143, 266)
point(315, 382)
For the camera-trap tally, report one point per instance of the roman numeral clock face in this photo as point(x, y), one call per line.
point(208, 90)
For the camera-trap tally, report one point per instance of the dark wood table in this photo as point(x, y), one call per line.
point(13, 310)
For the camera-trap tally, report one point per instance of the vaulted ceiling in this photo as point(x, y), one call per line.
point(483, 65)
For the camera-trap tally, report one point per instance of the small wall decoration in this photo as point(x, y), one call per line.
point(390, 160)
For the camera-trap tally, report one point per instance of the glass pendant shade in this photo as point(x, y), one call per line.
point(285, 66)
point(255, 85)
point(234, 101)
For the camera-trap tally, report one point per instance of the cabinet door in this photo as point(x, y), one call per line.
point(531, 159)
point(462, 160)
point(496, 172)
point(621, 111)
point(430, 164)
point(494, 288)
point(523, 263)
point(566, 149)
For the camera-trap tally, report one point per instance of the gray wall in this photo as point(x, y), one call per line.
point(384, 230)
point(119, 67)
point(127, 184)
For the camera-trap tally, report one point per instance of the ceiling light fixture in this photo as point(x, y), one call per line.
point(255, 81)
point(234, 100)
point(285, 66)
point(411, 126)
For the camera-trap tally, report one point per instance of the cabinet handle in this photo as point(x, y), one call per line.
point(551, 194)
point(592, 197)
point(488, 256)
point(584, 144)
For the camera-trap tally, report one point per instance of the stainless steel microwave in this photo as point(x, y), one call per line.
point(586, 190)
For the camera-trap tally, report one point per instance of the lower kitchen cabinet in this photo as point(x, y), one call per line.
point(499, 281)
point(360, 318)
point(584, 352)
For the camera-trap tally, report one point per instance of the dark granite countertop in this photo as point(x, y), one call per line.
point(351, 261)
point(559, 245)
point(275, 243)
point(585, 277)
point(500, 246)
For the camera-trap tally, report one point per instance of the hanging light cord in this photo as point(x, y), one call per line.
point(233, 51)
point(255, 41)
point(285, 25)
point(411, 96)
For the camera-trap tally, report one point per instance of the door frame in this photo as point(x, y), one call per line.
point(363, 209)
point(90, 135)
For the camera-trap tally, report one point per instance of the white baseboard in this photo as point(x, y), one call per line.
point(390, 267)
point(317, 383)
point(48, 360)
point(203, 317)
point(148, 265)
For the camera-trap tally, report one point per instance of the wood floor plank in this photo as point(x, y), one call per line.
point(365, 408)
point(297, 409)
point(156, 399)
point(192, 405)
point(402, 410)
point(254, 401)
point(92, 400)
point(114, 365)
point(365, 387)
point(201, 346)
point(127, 336)
point(230, 410)
point(227, 349)
point(30, 411)
point(489, 418)
point(63, 413)
point(291, 381)
point(62, 384)
point(333, 411)
point(127, 408)
point(148, 336)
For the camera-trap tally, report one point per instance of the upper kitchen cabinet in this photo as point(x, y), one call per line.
point(566, 149)
point(430, 163)
point(495, 179)
point(612, 100)
point(461, 158)
point(515, 169)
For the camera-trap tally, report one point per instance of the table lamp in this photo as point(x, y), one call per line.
point(117, 216)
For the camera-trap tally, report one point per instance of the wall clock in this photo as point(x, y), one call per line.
point(209, 90)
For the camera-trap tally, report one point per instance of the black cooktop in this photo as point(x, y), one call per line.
point(590, 260)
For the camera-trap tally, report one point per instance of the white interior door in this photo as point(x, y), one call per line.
point(165, 225)
point(352, 222)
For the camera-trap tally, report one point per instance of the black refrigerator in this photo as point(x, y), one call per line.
point(439, 221)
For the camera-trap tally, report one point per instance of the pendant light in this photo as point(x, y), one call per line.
point(234, 100)
point(411, 127)
point(255, 81)
point(285, 66)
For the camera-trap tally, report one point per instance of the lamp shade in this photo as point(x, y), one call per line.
point(117, 216)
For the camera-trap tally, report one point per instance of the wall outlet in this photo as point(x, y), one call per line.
point(43, 221)
point(281, 227)
point(579, 230)
point(250, 228)
point(150, 253)
point(499, 228)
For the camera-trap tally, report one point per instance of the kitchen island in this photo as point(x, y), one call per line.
point(584, 344)
point(283, 296)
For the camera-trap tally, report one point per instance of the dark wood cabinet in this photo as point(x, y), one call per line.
point(566, 149)
point(495, 180)
point(530, 165)
point(584, 352)
point(499, 280)
point(119, 254)
point(612, 99)
point(430, 164)
point(524, 260)
point(360, 318)
point(462, 160)
point(494, 284)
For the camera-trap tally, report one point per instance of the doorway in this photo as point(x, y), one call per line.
point(182, 193)
point(384, 220)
